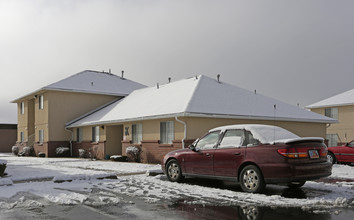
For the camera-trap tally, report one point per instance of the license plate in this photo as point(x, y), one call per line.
point(314, 154)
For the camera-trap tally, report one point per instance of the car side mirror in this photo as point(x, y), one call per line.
point(193, 148)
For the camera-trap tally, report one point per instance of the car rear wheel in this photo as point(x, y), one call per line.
point(296, 184)
point(251, 179)
point(173, 171)
point(331, 158)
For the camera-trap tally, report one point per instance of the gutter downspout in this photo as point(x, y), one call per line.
point(71, 141)
point(185, 129)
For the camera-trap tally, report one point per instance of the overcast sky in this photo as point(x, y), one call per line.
point(299, 52)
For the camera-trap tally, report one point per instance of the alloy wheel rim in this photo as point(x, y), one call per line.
point(250, 179)
point(173, 171)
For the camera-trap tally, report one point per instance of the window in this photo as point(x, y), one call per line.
point(331, 112)
point(167, 132)
point(232, 138)
point(41, 136)
point(137, 133)
point(332, 140)
point(96, 134)
point(22, 137)
point(208, 141)
point(41, 102)
point(22, 108)
point(79, 135)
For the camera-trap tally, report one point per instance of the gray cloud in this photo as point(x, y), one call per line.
point(295, 51)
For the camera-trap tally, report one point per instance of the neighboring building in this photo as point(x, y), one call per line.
point(42, 114)
point(171, 116)
point(8, 134)
point(339, 107)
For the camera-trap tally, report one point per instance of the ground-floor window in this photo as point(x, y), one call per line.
point(332, 140)
point(79, 135)
point(167, 132)
point(41, 136)
point(96, 134)
point(22, 136)
point(137, 133)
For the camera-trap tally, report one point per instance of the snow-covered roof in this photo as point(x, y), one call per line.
point(94, 82)
point(345, 98)
point(199, 96)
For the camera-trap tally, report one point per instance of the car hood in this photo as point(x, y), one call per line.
point(303, 139)
point(176, 152)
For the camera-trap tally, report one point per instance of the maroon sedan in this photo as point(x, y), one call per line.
point(252, 155)
point(341, 154)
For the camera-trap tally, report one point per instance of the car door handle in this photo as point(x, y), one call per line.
point(238, 153)
point(207, 154)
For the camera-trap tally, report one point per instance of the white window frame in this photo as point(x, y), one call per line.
point(167, 132)
point(79, 135)
point(332, 140)
point(137, 133)
point(41, 102)
point(22, 136)
point(22, 108)
point(331, 112)
point(41, 136)
point(96, 134)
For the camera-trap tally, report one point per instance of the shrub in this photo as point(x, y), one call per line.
point(28, 151)
point(133, 154)
point(15, 150)
point(82, 153)
point(2, 167)
point(41, 154)
point(62, 151)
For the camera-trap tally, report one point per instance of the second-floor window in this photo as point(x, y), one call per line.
point(79, 135)
point(167, 132)
point(137, 133)
point(331, 112)
point(22, 108)
point(96, 134)
point(41, 102)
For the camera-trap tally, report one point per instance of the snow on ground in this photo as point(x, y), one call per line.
point(74, 181)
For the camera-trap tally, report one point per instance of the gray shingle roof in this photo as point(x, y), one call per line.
point(94, 82)
point(200, 97)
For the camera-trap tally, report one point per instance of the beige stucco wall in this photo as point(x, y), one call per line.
point(66, 106)
point(345, 127)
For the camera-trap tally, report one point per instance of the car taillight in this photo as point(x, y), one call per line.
point(323, 152)
point(294, 152)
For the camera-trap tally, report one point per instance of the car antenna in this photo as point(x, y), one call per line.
point(275, 108)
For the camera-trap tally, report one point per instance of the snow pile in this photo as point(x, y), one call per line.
point(3, 162)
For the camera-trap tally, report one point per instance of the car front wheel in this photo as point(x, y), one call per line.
point(173, 171)
point(331, 158)
point(251, 179)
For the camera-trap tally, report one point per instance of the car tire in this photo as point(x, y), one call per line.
point(296, 184)
point(174, 171)
point(251, 179)
point(331, 158)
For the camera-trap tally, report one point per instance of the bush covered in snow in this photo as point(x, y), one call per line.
point(62, 151)
point(15, 150)
point(133, 153)
point(2, 167)
point(41, 154)
point(82, 153)
point(28, 151)
point(119, 158)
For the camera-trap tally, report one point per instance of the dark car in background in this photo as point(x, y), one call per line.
point(251, 155)
point(341, 154)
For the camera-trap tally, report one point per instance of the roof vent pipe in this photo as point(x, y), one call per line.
point(196, 76)
point(158, 86)
point(255, 91)
point(218, 76)
point(122, 73)
point(169, 79)
point(109, 70)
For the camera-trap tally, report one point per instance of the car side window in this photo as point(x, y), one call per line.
point(232, 138)
point(351, 144)
point(208, 141)
point(250, 140)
